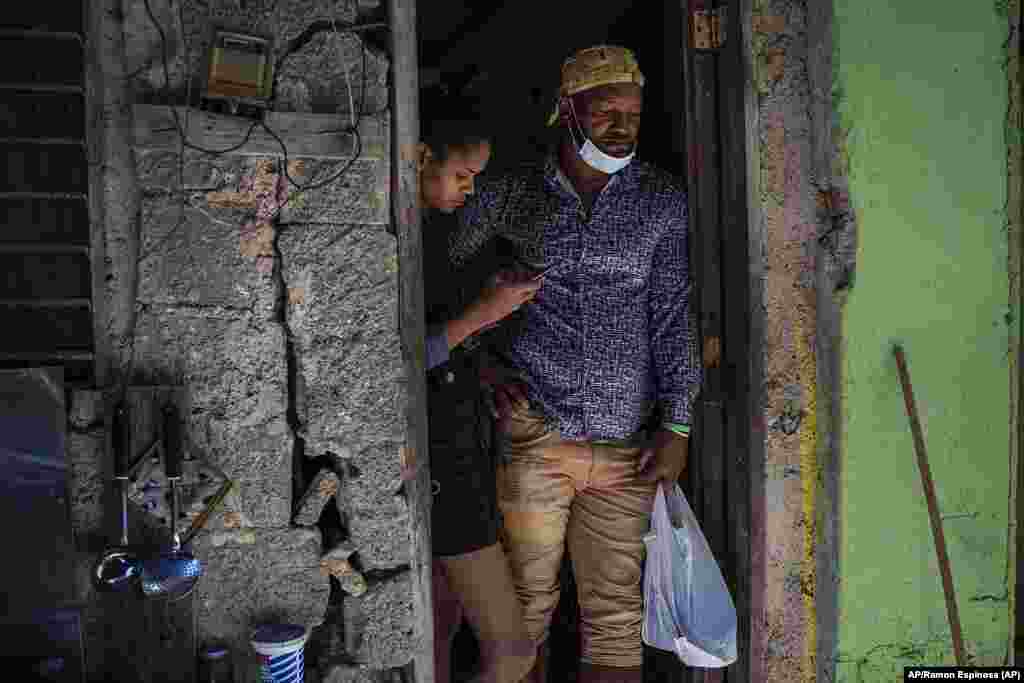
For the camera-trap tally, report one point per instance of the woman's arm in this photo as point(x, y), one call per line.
point(444, 337)
point(500, 299)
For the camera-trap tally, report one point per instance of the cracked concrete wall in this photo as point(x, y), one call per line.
point(921, 100)
point(282, 328)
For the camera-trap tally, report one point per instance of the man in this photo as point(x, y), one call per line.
point(607, 348)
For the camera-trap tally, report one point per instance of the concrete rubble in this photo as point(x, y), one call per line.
point(337, 562)
point(323, 487)
point(352, 582)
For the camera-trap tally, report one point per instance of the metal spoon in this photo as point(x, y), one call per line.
point(117, 569)
point(174, 572)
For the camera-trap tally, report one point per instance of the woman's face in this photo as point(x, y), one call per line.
point(445, 186)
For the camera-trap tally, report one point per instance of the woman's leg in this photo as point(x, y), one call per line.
point(483, 586)
point(447, 619)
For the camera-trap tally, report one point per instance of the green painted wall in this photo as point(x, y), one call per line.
point(922, 95)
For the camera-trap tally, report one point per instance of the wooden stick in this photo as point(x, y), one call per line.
point(933, 506)
point(203, 516)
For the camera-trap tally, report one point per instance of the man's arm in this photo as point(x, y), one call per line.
point(673, 338)
point(673, 325)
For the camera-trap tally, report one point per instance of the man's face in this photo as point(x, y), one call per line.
point(445, 186)
point(610, 116)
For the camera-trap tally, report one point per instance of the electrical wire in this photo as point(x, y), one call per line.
point(184, 143)
point(300, 187)
point(352, 129)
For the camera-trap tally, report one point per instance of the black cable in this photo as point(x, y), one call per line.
point(354, 30)
point(181, 161)
point(174, 110)
point(226, 150)
point(185, 143)
point(313, 185)
point(300, 41)
point(354, 130)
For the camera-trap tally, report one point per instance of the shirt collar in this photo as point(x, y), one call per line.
point(553, 172)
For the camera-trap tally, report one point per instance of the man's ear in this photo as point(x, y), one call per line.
point(563, 112)
point(423, 156)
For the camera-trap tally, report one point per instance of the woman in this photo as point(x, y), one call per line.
point(471, 576)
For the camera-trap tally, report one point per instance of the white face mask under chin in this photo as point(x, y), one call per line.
point(598, 160)
point(592, 156)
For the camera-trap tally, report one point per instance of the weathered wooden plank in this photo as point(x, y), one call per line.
point(32, 329)
point(743, 339)
point(48, 221)
point(46, 15)
point(320, 136)
point(113, 197)
point(406, 218)
point(41, 115)
point(828, 339)
point(704, 161)
point(41, 59)
point(50, 276)
point(43, 168)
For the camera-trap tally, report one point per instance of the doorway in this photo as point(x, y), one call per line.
point(694, 126)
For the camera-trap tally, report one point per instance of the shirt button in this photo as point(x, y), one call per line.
point(449, 377)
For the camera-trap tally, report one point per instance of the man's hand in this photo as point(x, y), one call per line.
point(504, 389)
point(508, 398)
point(664, 458)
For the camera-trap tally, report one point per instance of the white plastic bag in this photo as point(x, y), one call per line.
point(687, 606)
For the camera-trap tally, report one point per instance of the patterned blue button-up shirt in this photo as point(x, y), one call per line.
point(611, 334)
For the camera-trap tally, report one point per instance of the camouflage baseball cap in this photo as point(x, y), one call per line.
point(596, 66)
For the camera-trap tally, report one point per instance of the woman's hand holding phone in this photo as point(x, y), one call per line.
point(504, 295)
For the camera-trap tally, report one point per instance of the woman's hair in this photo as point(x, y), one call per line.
point(450, 121)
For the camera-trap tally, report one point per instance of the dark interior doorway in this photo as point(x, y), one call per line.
point(509, 57)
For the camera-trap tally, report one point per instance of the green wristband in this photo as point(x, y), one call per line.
point(681, 430)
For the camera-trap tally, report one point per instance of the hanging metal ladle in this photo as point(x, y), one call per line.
point(118, 568)
point(174, 572)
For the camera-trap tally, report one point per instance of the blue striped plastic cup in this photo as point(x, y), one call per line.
point(281, 651)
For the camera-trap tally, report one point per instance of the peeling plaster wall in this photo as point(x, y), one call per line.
point(790, 207)
point(921, 98)
point(883, 196)
point(282, 329)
